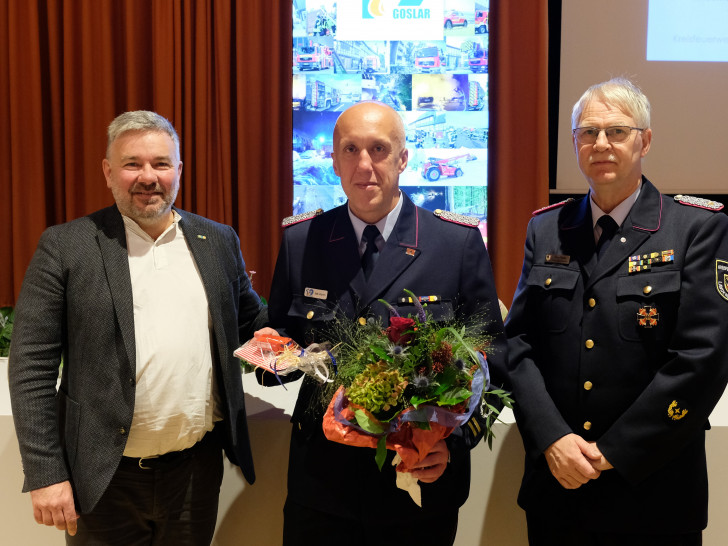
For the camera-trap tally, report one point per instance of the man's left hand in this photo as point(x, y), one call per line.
point(431, 467)
point(600, 462)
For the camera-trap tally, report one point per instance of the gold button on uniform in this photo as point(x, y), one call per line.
point(588, 385)
point(587, 425)
point(592, 302)
point(309, 315)
point(647, 289)
point(589, 343)
point(548, 282)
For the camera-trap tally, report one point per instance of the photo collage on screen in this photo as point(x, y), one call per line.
point(439, 87)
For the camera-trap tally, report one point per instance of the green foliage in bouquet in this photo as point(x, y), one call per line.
point(413, 362)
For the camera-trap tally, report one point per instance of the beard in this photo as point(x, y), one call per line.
point(157, 207)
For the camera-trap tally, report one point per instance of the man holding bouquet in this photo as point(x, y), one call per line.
point(338, 265)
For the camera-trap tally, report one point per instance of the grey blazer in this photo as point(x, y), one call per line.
point(76, 302)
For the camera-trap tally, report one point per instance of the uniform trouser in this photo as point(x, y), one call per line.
point(304, 526)
point(171, 501)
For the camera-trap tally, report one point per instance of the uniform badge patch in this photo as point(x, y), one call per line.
point(647, 316)
point(675, 412)
point(721, 278)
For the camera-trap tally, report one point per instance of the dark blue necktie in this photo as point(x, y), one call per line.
point(609, 228)
point(371, 252)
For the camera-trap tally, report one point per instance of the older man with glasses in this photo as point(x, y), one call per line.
point(617, 344)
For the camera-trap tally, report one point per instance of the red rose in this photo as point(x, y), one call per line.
point(400, 330)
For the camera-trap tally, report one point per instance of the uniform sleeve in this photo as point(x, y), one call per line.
point(539, 420)
point(35, 358)
point(677, 403)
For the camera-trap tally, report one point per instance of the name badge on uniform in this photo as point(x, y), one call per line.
point(558, 259)
point(315, 293)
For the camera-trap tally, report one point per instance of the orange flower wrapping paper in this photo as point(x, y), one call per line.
point(411, 442)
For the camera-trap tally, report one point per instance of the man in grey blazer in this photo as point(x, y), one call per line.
point(143, 305)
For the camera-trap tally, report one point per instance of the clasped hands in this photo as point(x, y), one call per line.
point(573, 461)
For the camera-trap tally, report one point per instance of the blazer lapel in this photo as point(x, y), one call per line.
point(204, 253)
point(111, 237)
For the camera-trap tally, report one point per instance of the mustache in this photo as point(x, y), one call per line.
point(610, 157)
point(138, 187)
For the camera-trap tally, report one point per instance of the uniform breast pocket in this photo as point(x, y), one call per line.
point(647, 305)
point(311, 316)
point(555, 287)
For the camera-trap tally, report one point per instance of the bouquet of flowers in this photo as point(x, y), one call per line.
point(407, 386)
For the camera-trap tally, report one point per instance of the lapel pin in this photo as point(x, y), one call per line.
point(410, 252)
point(203, 237)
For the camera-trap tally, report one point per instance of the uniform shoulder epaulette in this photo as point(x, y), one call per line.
point(699, 202)
point(551, 207)
point(456, 218)
point(297, 218)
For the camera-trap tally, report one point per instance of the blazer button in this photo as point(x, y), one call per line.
point(589, 343)
point(122, 431)
point(588, 385)
point(592, 303)
point(547, 282)
point(309, 315)
point(647, 289)
point(587, 425)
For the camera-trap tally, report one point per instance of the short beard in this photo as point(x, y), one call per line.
point(149, 215)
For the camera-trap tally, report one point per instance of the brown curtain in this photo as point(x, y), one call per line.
point(220, 70)
point(518, 167)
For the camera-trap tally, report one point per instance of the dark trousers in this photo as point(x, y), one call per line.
point(172, 501)
point(304, 526)
point(543, 535)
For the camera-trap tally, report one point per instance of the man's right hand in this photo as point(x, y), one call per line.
point(569, 461)
point(53, 505)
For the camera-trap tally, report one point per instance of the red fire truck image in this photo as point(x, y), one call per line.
point(435, 167)
point(478, 59)
point(320, 96)
point(481, 22)
point(476, 96)
point(314, 57)
point(429, 59)
point(455, 19)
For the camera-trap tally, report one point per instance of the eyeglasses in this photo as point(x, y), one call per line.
point(617, 133)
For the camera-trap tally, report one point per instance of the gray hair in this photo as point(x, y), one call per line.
point(619, 92)
point(140, 120)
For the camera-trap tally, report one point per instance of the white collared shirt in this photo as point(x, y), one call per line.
point(385, 226)
point(175, 388)
point(618, 213)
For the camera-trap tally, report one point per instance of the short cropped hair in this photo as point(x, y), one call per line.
point(140, 120)
point(619, 92)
